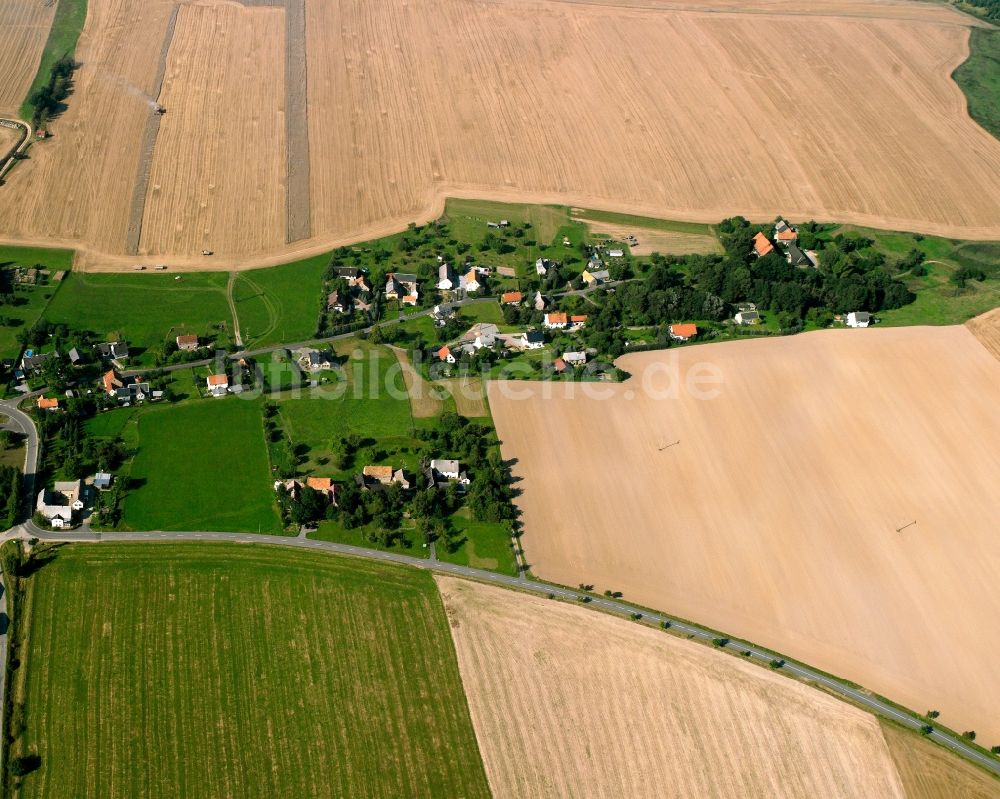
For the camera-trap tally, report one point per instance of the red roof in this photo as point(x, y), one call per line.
point(218, 380)
point(578, 319)
point(48, 404)
point(556, 318)
point(684, 331)
point(443, 353)
point(510, 297)
point(762, 245)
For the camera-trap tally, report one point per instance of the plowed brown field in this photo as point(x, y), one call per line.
point(224, 91)
point(24, 27)
point(568, 702)
point(843, 111)
point(775, 517)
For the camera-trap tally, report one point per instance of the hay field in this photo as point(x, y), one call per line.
point(929, 772)
point(639, 108)
point(226, 671)
point(79, 186)
point(223, 90)
point(568, 702)
point(652, 239)
point(425, 398)
point(986, 328)
point(24, 27)
point(775, 516)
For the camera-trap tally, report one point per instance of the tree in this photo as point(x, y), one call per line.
point(933, 714)
point(969, 734)
point(25, 764)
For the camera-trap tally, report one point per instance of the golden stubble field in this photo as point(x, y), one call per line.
point(218, 170)
point(24, 27)
point(692, 111)
point(775, 516)
point(569, 702)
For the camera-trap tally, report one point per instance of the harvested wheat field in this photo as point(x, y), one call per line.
point(24, 27)
point(929, 772)
point(224, 94)
point(986, 328)
point(78, 186)
point(409, 103)
point(568, 702)
point(775, 515)
point(8, 138)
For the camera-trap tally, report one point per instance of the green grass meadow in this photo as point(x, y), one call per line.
point(146, 310)
point(185, 670)
point(202, 466)
point(979, 78)
point(281, 304)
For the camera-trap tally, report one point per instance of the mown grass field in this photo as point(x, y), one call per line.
point(146, 310)
point(280, 304)
point(202, 466)
point(484, 545)
point(186, 670)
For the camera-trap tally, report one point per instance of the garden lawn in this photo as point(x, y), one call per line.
point(146, 310)
point(280, 304)
point(202, 466)
point(187, 670)
point(481, 545)
point(29, 301)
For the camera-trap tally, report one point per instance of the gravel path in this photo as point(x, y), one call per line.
point(297, 198)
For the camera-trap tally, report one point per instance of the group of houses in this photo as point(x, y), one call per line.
point(438, 473)
point(357, 297)
point(470, 281)
point(62, 505)
point(787, 238)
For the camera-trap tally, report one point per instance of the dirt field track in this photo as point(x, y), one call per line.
point(566, 702)
point(505, 100)
point(775, 516)
point(24, 27)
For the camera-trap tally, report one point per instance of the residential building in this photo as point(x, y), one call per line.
point(324, 485)
point(380, 474)
point(511, 298)
point(31, 362)
point(334, 302)
point(46, 404)
point(796, 257)
point(762, 245)
point(132, 391)
point(111, 381)
point(393, 288)
point(113, 351)
point(187, 343)
point(349, 273)
point(616, 253)
point(469, 282)
point(555, 320)
point(784, 233)
point(102, 481)
point(542, 266)
point(218, 385)
point(683, 332)
point(74, 356)
point(747, 318)
point(746, 306)
point(531, 340)
point(575, 358)
point(859, 319)
point(445, 354)
point(559, 365)
point(577, 321)
point(446, 278)
point(442, 313)
point(482, 334)
point(59, 504)
point(539, 302)
point(596, 277)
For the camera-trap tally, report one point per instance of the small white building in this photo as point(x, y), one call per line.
point(469, 282)
point(858, 319)
point(218, 385)
point(747, 318)
point(541, 266)
point(531, 340)
point(446, 278)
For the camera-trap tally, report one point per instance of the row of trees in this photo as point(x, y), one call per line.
point(11, 495)
point(47, 100)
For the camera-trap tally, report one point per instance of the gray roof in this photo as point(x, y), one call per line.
point(404, 277)
point(74, 355)
point(534, 337)
point(796, 257)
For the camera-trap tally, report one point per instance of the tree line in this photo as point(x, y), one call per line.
point(47, 100)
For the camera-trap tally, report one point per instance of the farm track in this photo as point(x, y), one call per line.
point(298, 221)
point(7, 159)
point(137, 209)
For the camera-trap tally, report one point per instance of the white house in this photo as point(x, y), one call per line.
point(446, 278)
point(482, 335)
point(445, 354)
point(532, 340)
point(616, 253)
point(539, 301)
point(555, 321)
point(446, 468)
point(59, 504)
point(747, 318)
point(218, 385)
point(575, 358)
point(859, 319)
point(541, 266)
point(469, 282)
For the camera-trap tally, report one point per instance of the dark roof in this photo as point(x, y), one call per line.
point(796, 257)
point(534, 336)
point(348, 272)
point(404, 277)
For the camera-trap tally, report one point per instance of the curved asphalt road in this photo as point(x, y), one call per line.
point(836, 686)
